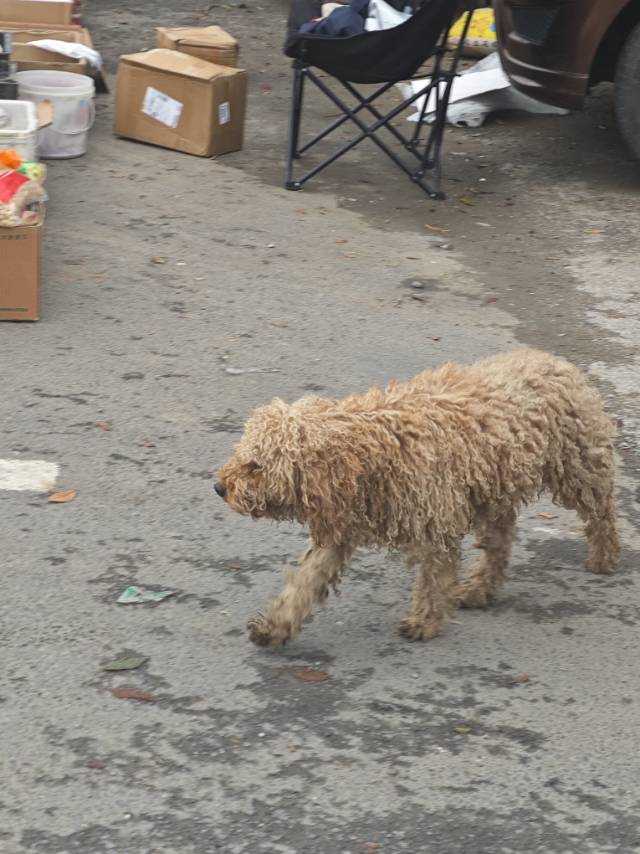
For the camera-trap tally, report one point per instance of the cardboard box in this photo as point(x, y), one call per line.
point(212, 44)
point(178, 101)
point(31, 58)
point(20, 272)
point(37, 11)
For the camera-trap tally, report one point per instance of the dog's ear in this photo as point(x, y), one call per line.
point(328, 488)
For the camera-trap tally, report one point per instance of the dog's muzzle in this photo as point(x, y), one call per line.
point(220, 489)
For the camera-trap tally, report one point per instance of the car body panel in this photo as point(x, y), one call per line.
point(555, 69)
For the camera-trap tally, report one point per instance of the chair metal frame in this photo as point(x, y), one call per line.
point(427, 172)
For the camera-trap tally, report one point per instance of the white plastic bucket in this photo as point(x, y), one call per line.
point(71, 96)
point(18, 128)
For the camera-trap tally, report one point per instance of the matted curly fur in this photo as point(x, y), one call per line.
point(415, 467)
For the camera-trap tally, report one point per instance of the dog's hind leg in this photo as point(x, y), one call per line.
point(320, 569)
point(495, 539)
point(596, 506)
point(433, 598)
point(583, 481)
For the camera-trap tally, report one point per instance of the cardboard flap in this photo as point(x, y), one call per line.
point(200, 36)
point(181, 64)
point(31, 53)
point(44, 111)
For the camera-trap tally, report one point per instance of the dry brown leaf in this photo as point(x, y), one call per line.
point(521, 679)
point(342, 240)
point(102, 425)
point(233, 566)
point(158, 259)
point(62, 497)
point(593, 231)
point(280, 325)
point(548, 515)
point(128, 694)
point(96, 763)
point(311, 675)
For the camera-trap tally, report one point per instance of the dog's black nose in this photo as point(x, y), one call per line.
point(219, 488)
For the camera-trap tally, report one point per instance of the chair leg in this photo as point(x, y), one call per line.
point(294, 125)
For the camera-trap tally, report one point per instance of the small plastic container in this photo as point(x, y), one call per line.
point(71, 96)
point(19, 128)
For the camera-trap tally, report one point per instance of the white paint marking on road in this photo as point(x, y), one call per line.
point(28, 475)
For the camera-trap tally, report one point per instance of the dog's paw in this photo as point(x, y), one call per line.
point(263, 632)
point(471, 596)
point(415, 631)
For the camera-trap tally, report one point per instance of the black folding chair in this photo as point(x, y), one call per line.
point(383, 57)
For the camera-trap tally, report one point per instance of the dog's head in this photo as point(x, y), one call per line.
point(295, 462)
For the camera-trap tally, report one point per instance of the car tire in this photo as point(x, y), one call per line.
point(627, 92)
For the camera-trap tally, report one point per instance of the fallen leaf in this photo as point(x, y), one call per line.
point(462, 730)
point(548, 515)
point(521, 679)
point(280, 325)
point(614, 313)
point(95, 763)
point(159, 259)
point(490, 299)
point(469, 202)
point(62, 497)
point(311, 675)
point(435, 228)
point(147, 443)
point(593, 231)
point(128, 694)
point(300, 211)
point(102, 425)
point(342, 240)
point(372, 848)
point(129, 663)
point(233, 566)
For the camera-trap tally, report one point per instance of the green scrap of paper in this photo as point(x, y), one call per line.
point(131, 662)
point(134, 595)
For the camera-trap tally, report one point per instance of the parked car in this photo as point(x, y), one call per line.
point(555, 50)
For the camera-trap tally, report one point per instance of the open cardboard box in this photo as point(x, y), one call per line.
point(31, 58)
point(37, 11)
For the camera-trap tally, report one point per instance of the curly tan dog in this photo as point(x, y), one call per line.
point(417, 466)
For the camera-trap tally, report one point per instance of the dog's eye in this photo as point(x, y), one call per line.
point(253, 467)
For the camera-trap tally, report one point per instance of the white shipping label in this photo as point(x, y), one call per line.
point(224, 113)
point(161, 107)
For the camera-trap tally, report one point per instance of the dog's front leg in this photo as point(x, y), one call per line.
point(320, 569)
point(433, 599)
